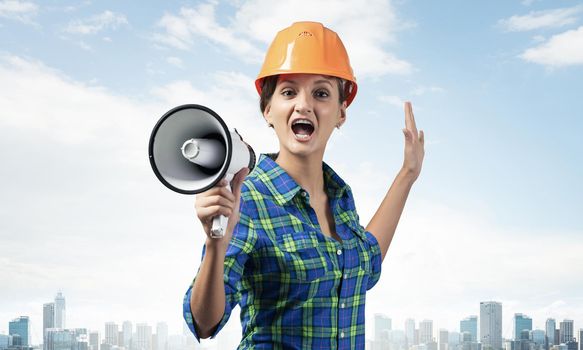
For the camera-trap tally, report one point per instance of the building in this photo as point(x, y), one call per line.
point(491, 325)
point(550, 327)
point(470, 325)
point(580, 338)
point(382, 327)
point(20, 326)
point(128, 331)
point(94, 340)
point(60, 314)
point(410, 332)
point(111, 336)
point(443, 339)
point(426, 332)
point(566, 331)
point(143, 337)
point(161, 336)
point(521, 323)
point(537, 336)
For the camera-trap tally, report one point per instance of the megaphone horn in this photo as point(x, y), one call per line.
point(191, 150)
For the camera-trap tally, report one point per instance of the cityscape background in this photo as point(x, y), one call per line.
point(494, 216)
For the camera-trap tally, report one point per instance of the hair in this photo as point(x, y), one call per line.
point(268, 88)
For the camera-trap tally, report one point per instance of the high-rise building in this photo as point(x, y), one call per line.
point(410, 332)
point(94, 340)
point(382, 327)
point(537, 336)
point(550, 326)
point(127, 330)
point(111, 336)
point(60, 314)
point(566, 331)
point(580, 338)
point(48, 320)
point(425, 331)
point(443, 339)
point(491, 325)
point(143, 337)
point(521, 323)
point(162, 336)
point(470, 325)
point(20, 326)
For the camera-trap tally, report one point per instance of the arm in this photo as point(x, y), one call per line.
point(384, 222)
point(207, 301)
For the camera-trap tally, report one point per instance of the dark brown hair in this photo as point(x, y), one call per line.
point(268, 88)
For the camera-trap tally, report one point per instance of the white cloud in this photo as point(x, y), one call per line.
point(97, 23)
point(560, 50)
point(175, 61)
point(542, 19)
point(22, 11)
point(392, 100)
point(256, 22)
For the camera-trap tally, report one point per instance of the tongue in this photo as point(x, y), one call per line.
point(303, 129)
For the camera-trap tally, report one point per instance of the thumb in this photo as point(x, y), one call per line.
point(237, 181)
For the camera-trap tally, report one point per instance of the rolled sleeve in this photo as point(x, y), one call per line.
point(237, 254)
point(376, 260)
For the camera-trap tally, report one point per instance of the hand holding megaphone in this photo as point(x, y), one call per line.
point(191, 150)
point(222, 200)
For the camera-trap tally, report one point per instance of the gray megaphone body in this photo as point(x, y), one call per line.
point(191, 150)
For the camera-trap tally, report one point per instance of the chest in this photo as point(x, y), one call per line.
point(326, 219)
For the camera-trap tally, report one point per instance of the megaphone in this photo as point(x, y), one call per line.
point(191, 150)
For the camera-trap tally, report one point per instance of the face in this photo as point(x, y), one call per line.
point(304, 110)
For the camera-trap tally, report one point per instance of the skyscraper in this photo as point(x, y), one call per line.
point(425, 331)
point(162, 336)
point(127, 330)
point(382, 327)
point(470, 325)
point(550, 327)
point(566, 331)
point(443, 339)
point(580, 338)
point(521, 323)
point(143, 336)
point(410, 331)
point(491, 325)
point(60, 311)
point(20, 326)
point(48, 320)
point(94, 340)
point(111, 336)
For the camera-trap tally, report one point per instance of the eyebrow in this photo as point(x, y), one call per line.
point(316, 82)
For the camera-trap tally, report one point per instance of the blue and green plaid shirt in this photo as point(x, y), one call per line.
point(297, 288)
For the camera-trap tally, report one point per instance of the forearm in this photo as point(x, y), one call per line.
point(207, 301)
point(384, 222)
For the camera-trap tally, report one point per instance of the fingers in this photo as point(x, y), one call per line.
point(410, 118)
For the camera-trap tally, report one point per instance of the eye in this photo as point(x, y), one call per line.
point(287, 92)
point(321, 93)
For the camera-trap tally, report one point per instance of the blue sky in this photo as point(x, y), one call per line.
point(496, 86)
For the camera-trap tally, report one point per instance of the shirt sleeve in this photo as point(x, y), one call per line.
point(376, 260)
point(240, 246)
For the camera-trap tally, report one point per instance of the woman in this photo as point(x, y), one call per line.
point(295, 257)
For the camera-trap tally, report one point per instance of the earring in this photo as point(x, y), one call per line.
point(338, 126)
point(269, 125)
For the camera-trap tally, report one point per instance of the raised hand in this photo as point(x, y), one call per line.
point(414, 145)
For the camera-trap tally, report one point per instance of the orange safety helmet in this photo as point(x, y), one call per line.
point(308, 47)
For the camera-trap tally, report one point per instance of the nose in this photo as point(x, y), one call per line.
point(303, 103)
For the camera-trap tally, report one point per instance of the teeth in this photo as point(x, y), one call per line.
point(302, 121)
point(302, 136)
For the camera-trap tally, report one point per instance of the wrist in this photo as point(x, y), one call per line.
point(406, 176)
point(216, 245)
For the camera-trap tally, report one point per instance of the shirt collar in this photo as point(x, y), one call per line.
point(282, 187)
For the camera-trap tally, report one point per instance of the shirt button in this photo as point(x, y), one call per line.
point(345, 276)
point(339, 251)
point(342, 306)
point(341, 334)
point(303, 193)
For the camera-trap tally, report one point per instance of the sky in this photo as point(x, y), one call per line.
point(494, 215)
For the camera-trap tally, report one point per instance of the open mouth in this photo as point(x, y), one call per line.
point(303, 129)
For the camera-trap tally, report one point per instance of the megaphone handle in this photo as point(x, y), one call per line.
point(220, 221)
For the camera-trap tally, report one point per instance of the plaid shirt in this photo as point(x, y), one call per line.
point(297, 288)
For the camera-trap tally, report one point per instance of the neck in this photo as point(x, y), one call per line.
point(306, 171)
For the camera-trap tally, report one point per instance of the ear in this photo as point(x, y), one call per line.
point(266, 113)
point(342, 119)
